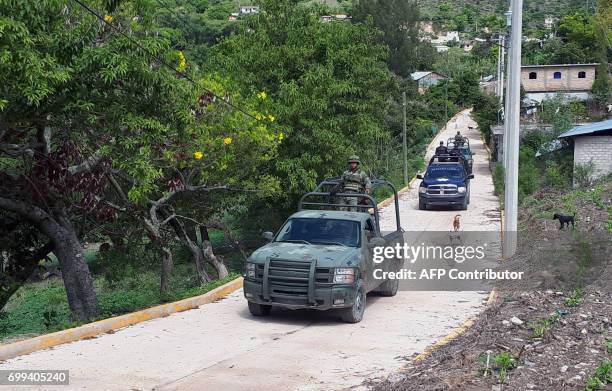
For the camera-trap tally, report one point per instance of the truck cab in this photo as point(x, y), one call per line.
point(464, 149)
point(445, 183)
point(322, 257)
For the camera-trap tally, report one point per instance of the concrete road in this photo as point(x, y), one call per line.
point(221, 347)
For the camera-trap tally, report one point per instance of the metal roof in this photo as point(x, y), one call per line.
point(419, 75)
point(595, 127)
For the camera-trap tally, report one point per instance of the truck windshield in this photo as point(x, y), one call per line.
point(320, 231)
point(436, 172)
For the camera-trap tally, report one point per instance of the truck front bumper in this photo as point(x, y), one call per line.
point(325, 297)
point(439, 199)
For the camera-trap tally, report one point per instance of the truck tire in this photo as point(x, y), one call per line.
point(464, 205)
point(259, 309)
point(388, 288)
point(354, 313)
point(422, 205)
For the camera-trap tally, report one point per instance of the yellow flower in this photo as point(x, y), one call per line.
point(182, 65)
point(262, 95)
point(271, 117)
point(108, 18)
point(259, 117)
point(227, 140)
point(281, 136)
point(198, 155)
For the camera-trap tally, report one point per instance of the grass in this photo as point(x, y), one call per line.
point(498, 364)
point(575, 298)
point(601, 378)
point(540, 328)
point(42, 307)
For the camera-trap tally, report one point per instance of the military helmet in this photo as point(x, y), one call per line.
point(354, 159)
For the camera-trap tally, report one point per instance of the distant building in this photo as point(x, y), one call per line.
point(592, 145)
point(441, 48)
point(549, 22)
point(449, 36)
point(248, 9)
point(544, 81)
point(233, 17)
point(426, 79)
point(336, 17)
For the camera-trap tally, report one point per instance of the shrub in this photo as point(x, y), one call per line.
point(584, 174)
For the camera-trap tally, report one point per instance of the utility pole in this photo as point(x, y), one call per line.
point(502, 68)
point(512, 135)
point(404, 141)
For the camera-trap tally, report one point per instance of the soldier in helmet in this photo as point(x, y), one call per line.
point(355, 181)
point(459, 139)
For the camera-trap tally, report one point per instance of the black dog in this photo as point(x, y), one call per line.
point(564, 220)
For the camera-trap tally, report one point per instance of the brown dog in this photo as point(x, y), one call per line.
point(456, 223)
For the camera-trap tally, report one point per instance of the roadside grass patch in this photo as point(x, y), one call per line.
point(42, 307)
point(541, 327)
point(575, 298)
point(601, 378)
point(498, 364)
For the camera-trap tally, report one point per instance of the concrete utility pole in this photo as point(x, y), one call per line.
point(404, 141)
point(502, 68)
point(511, 138)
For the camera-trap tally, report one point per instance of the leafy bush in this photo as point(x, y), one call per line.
point(584, 174)
point(499, 179)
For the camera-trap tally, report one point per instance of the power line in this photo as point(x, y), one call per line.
point(160, 60)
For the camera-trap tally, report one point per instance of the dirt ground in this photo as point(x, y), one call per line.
point(557, 334)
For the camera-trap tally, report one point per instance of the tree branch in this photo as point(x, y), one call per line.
point(89, 163)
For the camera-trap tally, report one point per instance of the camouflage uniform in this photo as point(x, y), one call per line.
point(459, 140)
point(354, 182)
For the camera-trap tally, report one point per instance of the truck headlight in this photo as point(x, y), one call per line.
point(461, 189)
point(344, 275)
point(250, 270)
point(422, 189)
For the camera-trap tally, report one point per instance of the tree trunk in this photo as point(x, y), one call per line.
point(210, 256)
point(198, 257)
point(166, 271)
point(82, 298)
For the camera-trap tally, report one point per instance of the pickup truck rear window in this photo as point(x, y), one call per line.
point(320, 231)
point(444, 172)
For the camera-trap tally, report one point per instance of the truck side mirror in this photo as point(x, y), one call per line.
point(471, 176)
point(376, 241)
point(269, 236)
point(419, 176)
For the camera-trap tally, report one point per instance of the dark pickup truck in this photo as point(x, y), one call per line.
point(445, 183)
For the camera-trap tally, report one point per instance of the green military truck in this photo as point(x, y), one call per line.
point(322, 257)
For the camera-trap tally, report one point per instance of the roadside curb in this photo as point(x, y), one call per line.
point(94, 329)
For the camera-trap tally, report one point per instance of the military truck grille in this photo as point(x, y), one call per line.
point(442, 189)
point(288, 277)
point(288, 281)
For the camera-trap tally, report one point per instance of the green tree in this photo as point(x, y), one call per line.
point(398, 20)
point(85, 110)
point(328, 82)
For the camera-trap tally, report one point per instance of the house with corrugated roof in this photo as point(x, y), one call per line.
point(426, 79)
point(592, 145)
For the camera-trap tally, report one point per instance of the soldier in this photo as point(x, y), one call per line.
point(441, 150)
point(355, 181)
point(459, 138)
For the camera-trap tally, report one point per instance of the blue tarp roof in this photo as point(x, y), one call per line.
point(588, 129)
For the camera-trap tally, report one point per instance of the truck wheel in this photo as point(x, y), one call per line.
point(388, 288)
point(422, 205)
point(354, 314)
point(464, 206)
point(259, 309)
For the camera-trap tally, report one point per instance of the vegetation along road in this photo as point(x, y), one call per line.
point(221, 346)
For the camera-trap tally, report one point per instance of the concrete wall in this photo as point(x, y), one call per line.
point(595, 148)
point(569, 81)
